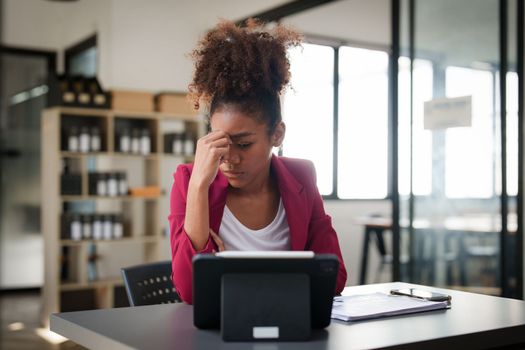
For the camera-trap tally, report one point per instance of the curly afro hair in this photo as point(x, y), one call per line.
point(246, 67)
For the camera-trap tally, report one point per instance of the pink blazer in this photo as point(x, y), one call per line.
point(310, 227)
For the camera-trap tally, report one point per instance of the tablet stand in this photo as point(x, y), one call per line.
point(258, 306)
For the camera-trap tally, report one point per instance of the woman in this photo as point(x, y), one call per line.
point(237, 195)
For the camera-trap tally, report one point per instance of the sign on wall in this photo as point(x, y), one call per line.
point(443, 113)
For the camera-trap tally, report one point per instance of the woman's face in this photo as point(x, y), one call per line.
point(250, 152)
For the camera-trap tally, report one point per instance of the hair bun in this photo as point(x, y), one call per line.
point(236, 62)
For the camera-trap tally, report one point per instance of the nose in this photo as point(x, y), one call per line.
point(234, 158)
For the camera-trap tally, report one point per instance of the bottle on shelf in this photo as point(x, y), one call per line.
point(102, 188)
point(75, 228)
point(145, 142)
point(135, 141)
point(84, 141)
point(118, 227)
point(122, 184)
point(95, 139)
point(177, 144)
point(112, 185)
point(72, 139)
point(97, 227)
point(86, 227)
point(125, 141)
point(92, 273)
point(107, 227)
point(189, 144)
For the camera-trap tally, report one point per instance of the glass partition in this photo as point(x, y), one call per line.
point(454, 146)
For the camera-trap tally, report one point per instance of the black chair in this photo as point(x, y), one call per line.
point(150, 284)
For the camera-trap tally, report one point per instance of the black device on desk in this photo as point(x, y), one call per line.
point(264, 295)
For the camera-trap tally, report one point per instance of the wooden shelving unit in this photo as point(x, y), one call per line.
point(68, 281)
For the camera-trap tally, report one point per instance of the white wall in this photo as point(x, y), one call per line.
point(142, 44)
point(150, 39)
point(357, 21)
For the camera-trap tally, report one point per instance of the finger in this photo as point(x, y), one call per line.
point(219, 153)
point(217, 240)
point(216, 135)
point(223, 142)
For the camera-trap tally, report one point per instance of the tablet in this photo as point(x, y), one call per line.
point(209, 269)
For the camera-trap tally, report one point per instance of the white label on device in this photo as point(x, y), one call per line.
point(265, 332)
point(266, 254)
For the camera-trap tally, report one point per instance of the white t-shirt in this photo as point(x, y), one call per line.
point(236, 236)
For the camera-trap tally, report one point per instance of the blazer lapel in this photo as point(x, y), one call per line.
point(294, 202)
point(217, 201)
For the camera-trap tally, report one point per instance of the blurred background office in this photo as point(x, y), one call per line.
point(415, 108)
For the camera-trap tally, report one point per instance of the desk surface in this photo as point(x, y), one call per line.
point(474, 321)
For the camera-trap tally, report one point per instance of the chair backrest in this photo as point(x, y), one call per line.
point(149, 284)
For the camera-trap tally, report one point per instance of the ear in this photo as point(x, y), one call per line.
point(278, 134)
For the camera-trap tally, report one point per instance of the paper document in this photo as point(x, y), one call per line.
point(365, 306)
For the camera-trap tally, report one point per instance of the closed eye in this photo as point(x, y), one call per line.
point(244, 145)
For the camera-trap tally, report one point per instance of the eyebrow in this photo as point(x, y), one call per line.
point(241, 135)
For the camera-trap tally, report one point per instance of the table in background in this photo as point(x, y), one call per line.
point(458, 228)
point(474, 321)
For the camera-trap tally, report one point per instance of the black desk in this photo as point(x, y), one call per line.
point(475, 321)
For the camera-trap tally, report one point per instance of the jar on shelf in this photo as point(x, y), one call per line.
point(112, 185)
point(72, 139)
point(96, 144)
point(86, 227)
point(75, 228)
point(135, 141)
point(125, 141)
point(84, 140)
point(97, 227)
point(145, 142)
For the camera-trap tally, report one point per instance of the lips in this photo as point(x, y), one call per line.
point(232, 173)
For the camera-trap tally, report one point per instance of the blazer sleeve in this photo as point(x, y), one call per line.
point(322, 237)
point(182, 250)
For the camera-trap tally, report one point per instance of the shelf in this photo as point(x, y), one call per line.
point(96, 112)
point(109, 282)
point(175, 156)
point(140, 239)
point(81, 198)
point(66, 154)
point(143, 214)
point(89, 112)
point(187, 118)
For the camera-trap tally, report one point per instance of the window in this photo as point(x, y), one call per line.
point(81, 59)
point(469, 172)
point(308, 110)
point(363, 124)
